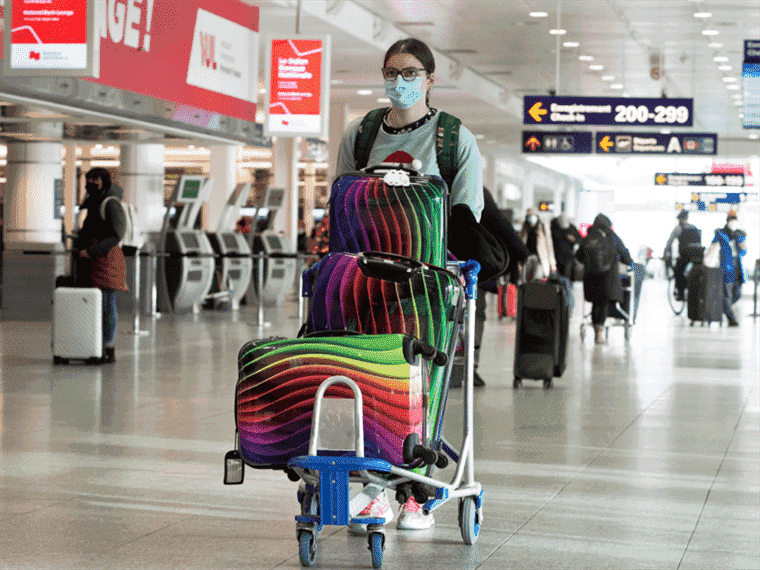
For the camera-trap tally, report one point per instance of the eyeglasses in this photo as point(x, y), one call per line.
point(408, 73)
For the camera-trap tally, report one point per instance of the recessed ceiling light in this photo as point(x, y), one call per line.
point(702, 15)
point(715, 45)
point(480, 137)
point(364, 92)
point(608, 78)
point(586, 57)
point(383, 100)
point(571, 44)
point(336, 81)
point(558, 32)
point(754, 136)
point(732, 86)
point(538, 14)
point(595, 67)
point(738, 103)
point(710, 32)
point(736, 96)
point(616, 86)
point(725, 68)
point(741, 115)
point(729, 80)
point(720, 58)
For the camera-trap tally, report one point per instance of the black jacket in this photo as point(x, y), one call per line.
point(493, 220)
point(564, 241)
point(601, 287)
point(105, 233)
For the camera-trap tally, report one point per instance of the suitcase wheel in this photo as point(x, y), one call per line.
point(517, 383)
point(57, 360)
point(548, 384)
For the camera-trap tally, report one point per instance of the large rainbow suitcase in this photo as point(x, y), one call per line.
point(368, 212)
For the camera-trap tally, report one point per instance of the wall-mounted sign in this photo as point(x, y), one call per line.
point(298, 72)
point(554, 142)
point(50, 37)
point(548, 110)
point(656, 143)
point(715, 180)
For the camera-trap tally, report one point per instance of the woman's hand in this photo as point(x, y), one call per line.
point(83, 253)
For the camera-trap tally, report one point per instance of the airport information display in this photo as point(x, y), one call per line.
point(751, 85)
point(620, 111)
point(708, 179)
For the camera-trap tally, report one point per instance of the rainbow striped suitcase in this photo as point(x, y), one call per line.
point(368, 214)
point(278, 379)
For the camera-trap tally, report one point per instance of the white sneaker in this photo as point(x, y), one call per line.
point(411, 517)
point(379, 508)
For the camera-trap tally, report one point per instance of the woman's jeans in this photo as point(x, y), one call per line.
point(731, 294)
point(110, 317)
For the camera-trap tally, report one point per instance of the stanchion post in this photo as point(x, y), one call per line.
point(260, 296)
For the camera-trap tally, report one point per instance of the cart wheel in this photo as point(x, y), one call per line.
point(376, 547)
point(307, 548)
point(57, 360)
point(64, 361)
point(583, 333)
point(468, 520)
point(517, 383)
point(548, 384)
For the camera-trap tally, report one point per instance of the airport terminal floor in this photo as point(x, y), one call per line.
point(644, 454)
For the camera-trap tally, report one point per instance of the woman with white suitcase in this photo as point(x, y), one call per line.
point(98, 240)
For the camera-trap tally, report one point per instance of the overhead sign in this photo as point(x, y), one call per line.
point(50, 37)
point(298, 74)
point(548, 110)
point(751, 51)
point(656, 143)
point(716, 180)
point(547, 142)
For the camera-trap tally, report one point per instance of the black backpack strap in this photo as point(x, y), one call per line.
point(365, 137)
point(447, 146)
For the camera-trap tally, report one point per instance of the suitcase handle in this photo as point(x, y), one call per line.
point(386, 166)
point(388, 266)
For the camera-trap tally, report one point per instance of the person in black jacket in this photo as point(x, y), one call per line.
point(689, 250)
point(565, 236)
point(98, 240)
point(493, 220)
point(601, 289)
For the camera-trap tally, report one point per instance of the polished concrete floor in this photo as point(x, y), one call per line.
point(644, 455)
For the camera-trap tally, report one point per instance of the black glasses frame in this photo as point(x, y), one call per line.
point(391, 73)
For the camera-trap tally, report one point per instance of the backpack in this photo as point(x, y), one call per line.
point(598, 252)
point(446, 142)
point(690, 237)
point(132, 235)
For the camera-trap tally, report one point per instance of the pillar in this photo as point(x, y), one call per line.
point(338, 123)
point(31, 174)
point(142, 178)
point(223, 171)
point(285, 161)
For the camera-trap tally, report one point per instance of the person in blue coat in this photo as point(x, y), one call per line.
point(732, 243)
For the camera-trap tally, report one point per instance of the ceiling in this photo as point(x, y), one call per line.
point(507, 53)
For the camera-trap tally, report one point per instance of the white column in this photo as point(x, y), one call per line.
point(285, 160)
point(31, 172)
point(223, 170)
point(142, 177)
point(489, 173)
point(70, 193)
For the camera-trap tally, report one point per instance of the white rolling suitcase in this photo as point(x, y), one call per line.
point(77, 324)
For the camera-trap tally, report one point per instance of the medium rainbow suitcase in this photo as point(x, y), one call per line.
point(368, 213)
point(278, 379)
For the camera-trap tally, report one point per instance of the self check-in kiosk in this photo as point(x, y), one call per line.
point(185, 265)
point(234, 266)
point(279, 273)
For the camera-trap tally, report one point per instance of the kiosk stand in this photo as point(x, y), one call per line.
point(185, 267)
point(278, 273)
point(234, 266)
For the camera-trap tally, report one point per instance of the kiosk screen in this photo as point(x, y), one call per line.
point(190, 189)
point(191, 241)
point(230, 242)
point(274, 243)
point(275, 198)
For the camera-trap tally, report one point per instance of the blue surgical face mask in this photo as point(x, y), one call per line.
point(404, 94)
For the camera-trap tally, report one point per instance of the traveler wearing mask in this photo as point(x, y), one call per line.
point(407, 133)
point(565, 236)
point(689, 250)
point(98, 240)
point(534, 236)
point(732, 243)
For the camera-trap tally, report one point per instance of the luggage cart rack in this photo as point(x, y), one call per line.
point(621, 316)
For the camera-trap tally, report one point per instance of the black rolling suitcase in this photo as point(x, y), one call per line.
point(543, 319)
point(705, 294)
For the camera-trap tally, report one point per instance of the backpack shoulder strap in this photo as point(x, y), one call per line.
point(447, 146)
point(103, 207)
point(366, 135)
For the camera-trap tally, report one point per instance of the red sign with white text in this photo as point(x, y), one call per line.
point(295, 87)
point(48, 34)
point(196, 53)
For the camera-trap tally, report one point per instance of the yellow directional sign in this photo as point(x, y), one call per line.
point(606, 144)
point(661, 179)
point(536, 112)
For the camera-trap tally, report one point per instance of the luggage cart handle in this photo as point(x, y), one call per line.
point(358, 414)
point(470, 268)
